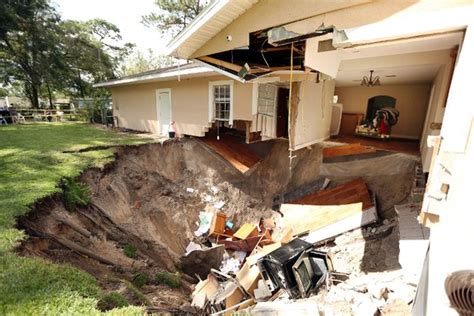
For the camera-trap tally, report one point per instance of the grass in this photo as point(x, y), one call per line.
point(75, 194)
point(130, 251)
point(112, 300)
point(140, 279)
point(173, 280)
point(32, 163)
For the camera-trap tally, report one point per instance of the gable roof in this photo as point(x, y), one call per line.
point(161, 74)
point(216, 16)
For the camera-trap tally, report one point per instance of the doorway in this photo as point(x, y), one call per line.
point(163, 110)
point(282, 112)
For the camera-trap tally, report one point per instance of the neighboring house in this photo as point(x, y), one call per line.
point(271, 68)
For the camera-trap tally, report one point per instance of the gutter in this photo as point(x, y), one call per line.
point(164, 75)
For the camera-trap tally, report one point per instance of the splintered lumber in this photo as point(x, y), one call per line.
point(260, 252)
point(221, 63)
point(306, 218)
point(347, 150)
point(204, 290)
point(348, 193)
point(248, 277)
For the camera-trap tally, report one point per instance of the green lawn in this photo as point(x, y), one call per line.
point(32, 161)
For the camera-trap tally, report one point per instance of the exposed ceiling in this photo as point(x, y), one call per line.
point(406, 46)
point(407, 61)
point(396, 75)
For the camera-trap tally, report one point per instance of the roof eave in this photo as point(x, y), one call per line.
point(193, 72)
point(199, 21)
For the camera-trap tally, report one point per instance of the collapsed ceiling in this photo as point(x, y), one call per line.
point(268, 51)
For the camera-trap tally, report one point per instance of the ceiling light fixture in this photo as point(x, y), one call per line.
point(370, 81)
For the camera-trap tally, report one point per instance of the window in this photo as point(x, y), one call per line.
point(222, 102)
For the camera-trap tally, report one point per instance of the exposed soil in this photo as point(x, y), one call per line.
point(150, 197)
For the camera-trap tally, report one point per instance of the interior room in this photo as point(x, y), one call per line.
point(410, 76)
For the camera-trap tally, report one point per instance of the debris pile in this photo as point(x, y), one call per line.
point(294, 257)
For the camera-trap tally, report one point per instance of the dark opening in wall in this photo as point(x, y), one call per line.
point(378, 102)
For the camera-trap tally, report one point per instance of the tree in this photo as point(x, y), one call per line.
point(47, 54)
point(139, 62)
point(174, 15)
point(91, 54)
point(28, 40)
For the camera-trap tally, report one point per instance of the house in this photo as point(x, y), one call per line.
point(274, 68)
point(243, 67)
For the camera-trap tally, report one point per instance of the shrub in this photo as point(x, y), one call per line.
point(140, 279)
point(171, 279)
point(75, 194)
point(130, 251)
point(110, 301)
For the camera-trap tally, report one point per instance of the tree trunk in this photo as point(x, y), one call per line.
point(81, 86)
point(34, 96)
point(50, 96)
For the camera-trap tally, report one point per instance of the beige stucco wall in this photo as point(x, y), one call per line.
point(314, 112)
point(412, 102)
point(135, 105)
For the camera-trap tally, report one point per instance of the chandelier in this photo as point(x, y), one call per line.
point(370, 81)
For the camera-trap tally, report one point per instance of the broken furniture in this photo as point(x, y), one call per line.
point(219, 228)
point(296, 268)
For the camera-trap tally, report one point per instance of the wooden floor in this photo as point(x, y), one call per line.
point(399, 145)
point(351, 192)
point(234, 150)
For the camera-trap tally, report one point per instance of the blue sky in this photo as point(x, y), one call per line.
point(126, 14)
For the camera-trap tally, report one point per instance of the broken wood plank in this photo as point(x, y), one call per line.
point(239, 306)
point(349, 222)
point(348, 193)
point(305, 218)
point(221, 63)
point(248, 277)
point(261, 252)
point(204, 290)
point(245, 231)
point(347, 150)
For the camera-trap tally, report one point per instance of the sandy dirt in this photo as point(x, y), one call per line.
point(151, 195)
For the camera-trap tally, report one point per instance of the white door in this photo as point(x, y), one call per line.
point(163, 109)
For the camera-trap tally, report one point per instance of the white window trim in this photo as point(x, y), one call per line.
point(211, 99)
point(158, 116)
